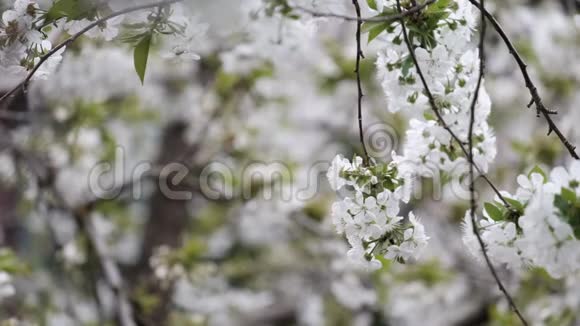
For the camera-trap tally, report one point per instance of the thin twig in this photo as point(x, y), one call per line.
point(435, 109)
point(74, 37)
point(472, 172)
point(535, 96)
point(359, 56)
point(465, 151)
point(379, 19)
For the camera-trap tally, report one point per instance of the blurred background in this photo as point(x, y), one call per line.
point(200, 198)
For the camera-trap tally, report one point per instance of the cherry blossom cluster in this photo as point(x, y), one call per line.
point(27, 28)
point(369, 215)
point(542, 226)
point(441, 37)
point(23, 40)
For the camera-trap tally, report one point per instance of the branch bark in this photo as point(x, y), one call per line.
point(359, 56)
point(74, 37)
point(358, 18)
point(437, 112)
point(535, 96)
point(472, 172)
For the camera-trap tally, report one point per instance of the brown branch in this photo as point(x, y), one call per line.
point(74, 37)
point(535, 96)
point(359, 55)
point(435, 109)
point(466, 152)
point(473, 203)
point(390, 18)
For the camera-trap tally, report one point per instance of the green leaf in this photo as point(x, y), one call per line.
point(569, 210)
point(569, 195)
point(372, 4)
point(141, 56)
point(429, 116)
point(493, 212)
point(439, 5)
point(407, 64)
point(377, 30)
point(367, 26)
point(515, 204)
point(538, 170)
point(10, 263)
point(71, 9)
point(435, 17)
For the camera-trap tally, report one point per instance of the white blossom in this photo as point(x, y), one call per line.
point(185, 43)
point(6, 288)
point(370, 219)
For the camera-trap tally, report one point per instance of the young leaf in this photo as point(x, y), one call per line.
point(538, 170)
point(372, 4)
point(493, 212)
point(438, 6)
point(515, 204)
point(141, 56)
point(407, 64)
point(376, 31)
point(428, 116)
point(569, 195)
point(367, 26)
point(71, 9)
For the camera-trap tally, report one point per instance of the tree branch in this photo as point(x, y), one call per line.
point(435, 109)
point(74, 37)
point(390, 18)
point(471, 170)
point(467, 153)
point(535, 96)
point(359, 55)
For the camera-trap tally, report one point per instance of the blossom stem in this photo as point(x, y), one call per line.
point(378, 19)
point(471, 170)
point(468, 153)
point(437, 112)
point(359, 56)
point(74, 37)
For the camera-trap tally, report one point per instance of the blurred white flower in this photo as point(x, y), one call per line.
point(6, 288)
point(185, 42)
